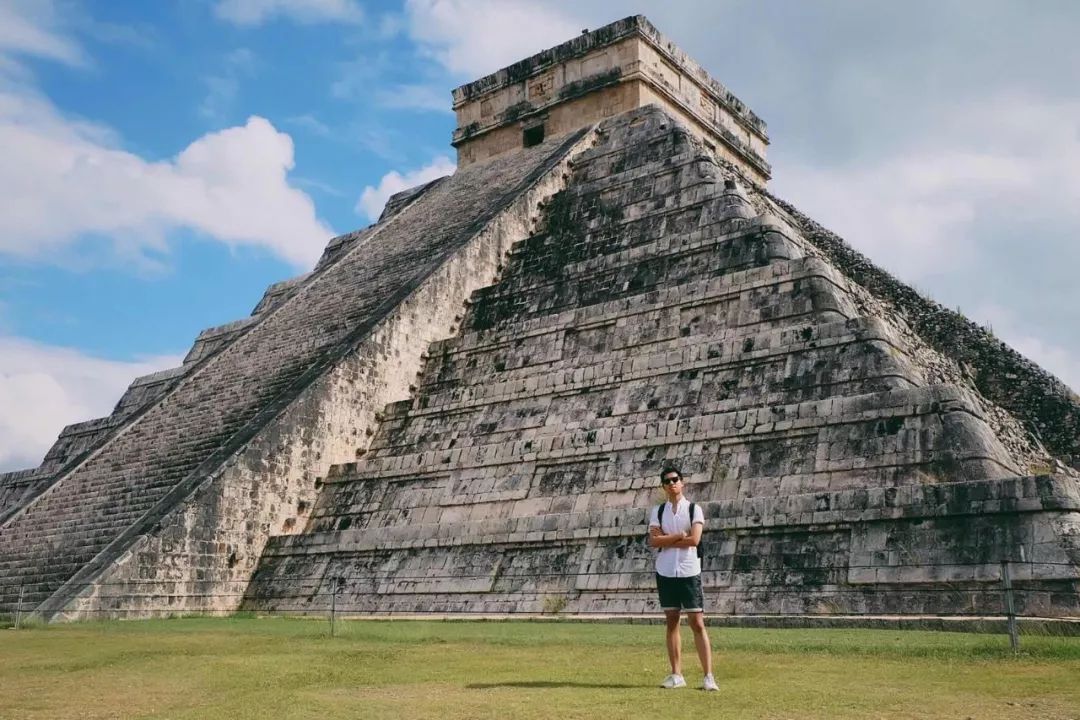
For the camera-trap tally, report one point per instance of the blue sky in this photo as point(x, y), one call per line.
point(158, 76)
point(166, 161)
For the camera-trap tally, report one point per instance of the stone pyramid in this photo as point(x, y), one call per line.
point(661, 314)
point(464, 407)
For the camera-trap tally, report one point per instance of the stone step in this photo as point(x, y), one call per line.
point(100, 504)
point(838, 435)
point(690, 165)
point(604, 236)
point(369, 513)
point(39, 542)
point(795, 307)
point(626, 273)
point(279, 292)
point(42, 581)
point(647, 396)
point(653, 153)
point(523, 467)
point(756, 282)
point(679, 214)
point(102, 501)
point(72, 524)
point(213, 339)
point(757, 242)
point(533, 368)
point(494, 371)
point(848, 505)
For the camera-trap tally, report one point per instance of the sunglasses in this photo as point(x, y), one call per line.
point(670, 481)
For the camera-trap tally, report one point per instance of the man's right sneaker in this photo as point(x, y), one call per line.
point(709, 683)
point(673, 681)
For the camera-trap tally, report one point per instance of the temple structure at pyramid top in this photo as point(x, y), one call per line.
point(602, 73)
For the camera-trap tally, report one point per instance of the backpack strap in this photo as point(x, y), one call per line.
point(702, 540)
point(660, 516)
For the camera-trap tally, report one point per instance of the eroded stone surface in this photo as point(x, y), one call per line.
point(664, 313)
point(172, 512)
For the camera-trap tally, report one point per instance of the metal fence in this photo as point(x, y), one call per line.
point(991, 602)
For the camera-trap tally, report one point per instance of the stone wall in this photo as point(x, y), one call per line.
point(1048, 409)
point(14, 486)
point(557, 120)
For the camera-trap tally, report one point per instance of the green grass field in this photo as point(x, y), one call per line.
point(284, 669)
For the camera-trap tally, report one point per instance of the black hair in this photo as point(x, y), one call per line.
point(668, 469)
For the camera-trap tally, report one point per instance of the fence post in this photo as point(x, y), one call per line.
point(1010, 607)
point(18, 608)
point(333, 609)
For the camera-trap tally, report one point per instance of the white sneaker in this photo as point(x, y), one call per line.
point(709, 683)
point(673, 681)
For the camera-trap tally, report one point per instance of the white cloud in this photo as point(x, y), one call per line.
point(223, 88)
point(355, 78)
point(915, 210)
point(373, 199)
point(256, 12)
point(465, 38)
point(220, 94)
point(435, 98)
point(43, 388)
point(909, 213)
point(981, 211)
point(32, 27)
point(312, 124)
point(391, 25)
point(63, 180)
point(1058, 360)
point(476, 37)
point(66, 182)
point(319, 185)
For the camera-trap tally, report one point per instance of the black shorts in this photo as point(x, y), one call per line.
point(680, 593)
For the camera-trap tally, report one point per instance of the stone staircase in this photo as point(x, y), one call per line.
point(130, 503)
point(78, 440)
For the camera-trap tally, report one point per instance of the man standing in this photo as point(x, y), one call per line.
point(676, 535)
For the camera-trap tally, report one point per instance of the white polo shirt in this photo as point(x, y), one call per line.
point(677, 562)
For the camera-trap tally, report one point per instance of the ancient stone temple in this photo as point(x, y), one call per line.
point(464, 407)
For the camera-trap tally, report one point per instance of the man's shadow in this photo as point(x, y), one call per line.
point(550, 684)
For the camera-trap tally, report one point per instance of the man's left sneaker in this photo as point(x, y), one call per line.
point(709, 683)
point(673, 681)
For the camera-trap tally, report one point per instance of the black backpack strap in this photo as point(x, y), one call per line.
point(701, 542)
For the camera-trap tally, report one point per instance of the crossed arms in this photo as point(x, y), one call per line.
point(658, 539)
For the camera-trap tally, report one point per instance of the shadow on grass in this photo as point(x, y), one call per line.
point(551, 684)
